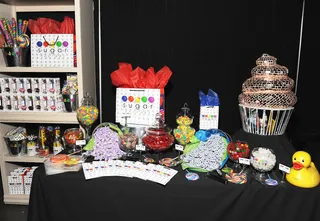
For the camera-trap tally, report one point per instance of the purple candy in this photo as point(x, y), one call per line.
point(106, 144)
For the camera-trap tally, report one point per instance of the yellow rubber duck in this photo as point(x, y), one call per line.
point(303, 173)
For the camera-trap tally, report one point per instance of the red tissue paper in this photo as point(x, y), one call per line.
point(126, 77)
point(51, 26)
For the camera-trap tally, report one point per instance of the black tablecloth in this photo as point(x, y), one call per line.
point(69, 196)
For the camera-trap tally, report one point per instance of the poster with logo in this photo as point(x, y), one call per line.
point(52, 50)
point(140, 106)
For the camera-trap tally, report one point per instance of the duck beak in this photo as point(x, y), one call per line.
point(297, 165)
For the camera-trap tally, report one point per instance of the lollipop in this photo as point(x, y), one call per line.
point(23, 41)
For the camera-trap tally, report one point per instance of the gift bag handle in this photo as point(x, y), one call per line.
point(45, 40)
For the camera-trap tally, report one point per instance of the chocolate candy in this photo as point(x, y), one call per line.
point(128, 141)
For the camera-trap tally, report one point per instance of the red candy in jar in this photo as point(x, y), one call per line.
point(237, 149)
point(158, 137)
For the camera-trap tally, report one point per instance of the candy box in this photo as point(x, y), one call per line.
point(14, 85)
point(45, 103)
point(15, 103)
point(5, 85)
point(30, 104)
point(36, 85)
point(37, 103)
point(23, 103)
point(21, 86)
point(52, 50)
point(29, 86)
point(43, 86)
point(1, 103)
point(7, 102)
point(53, 85)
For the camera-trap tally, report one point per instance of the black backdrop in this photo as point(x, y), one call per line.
point(206, 44)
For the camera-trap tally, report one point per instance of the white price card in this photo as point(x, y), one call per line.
point(284, 168)
point(244, 161)
point(140, 147)
point(179, 147)
point(80, 142)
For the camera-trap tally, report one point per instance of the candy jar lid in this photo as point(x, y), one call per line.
point(87, 100)
point(184, 117)
point(159, 127)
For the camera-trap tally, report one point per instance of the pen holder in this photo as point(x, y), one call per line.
point(15, 56)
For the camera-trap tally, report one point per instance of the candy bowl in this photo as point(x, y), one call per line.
point(158, 137)
point(235, 150)
point(70, 138)
point(263, 160)
point(128, 139)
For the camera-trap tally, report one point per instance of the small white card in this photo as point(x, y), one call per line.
point(284, 168)
point(244, 161)
point(80, 142)
point(179, 147)
point(140, 147)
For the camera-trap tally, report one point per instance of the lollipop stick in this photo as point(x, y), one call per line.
point(243, 168)
point(282, 180)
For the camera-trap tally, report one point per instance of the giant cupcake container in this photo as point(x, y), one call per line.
point(266, 102)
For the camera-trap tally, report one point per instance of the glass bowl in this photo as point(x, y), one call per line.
point(128, 139)
point(158, 140)
point(263, 159)
point(237, 149)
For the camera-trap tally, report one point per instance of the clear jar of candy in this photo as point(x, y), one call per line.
point(184, 132)
point(129, 138)
point(158, 137)
point(87, 114)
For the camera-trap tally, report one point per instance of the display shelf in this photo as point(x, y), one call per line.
point(19, 199)
point(24, 159)
point(37, 70)
point(39, 117)
point(85, 70)
point(45, 8)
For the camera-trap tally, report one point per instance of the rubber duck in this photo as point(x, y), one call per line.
point(303, 173)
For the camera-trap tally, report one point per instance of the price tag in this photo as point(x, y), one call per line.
point(179, 147)
point(80, 142)
point(244, 161)
point(140, 147)
point(284, 168)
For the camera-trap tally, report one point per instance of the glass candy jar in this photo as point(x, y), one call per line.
point(235, 150)
point(70, 137)
point(263, 160)
point(158, 137)
point(128, 139)
point(87, 114)
point(184, 132)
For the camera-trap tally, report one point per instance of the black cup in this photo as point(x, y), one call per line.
point(15, 56)
point(16, 148)
point(70, 102)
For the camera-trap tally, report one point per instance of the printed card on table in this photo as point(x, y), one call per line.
point(140, 105)
point(209, 117)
